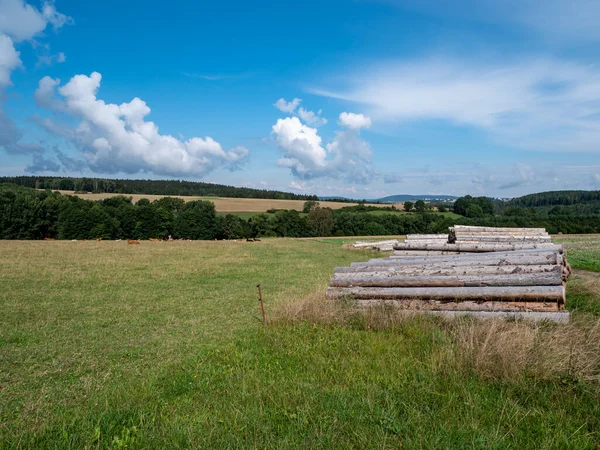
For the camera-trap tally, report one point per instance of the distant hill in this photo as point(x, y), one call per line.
point(406, 198)
point(556, 198)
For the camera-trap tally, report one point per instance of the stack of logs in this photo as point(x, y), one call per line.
point(479, 271)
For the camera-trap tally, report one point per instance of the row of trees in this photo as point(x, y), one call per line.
point(33, 214)
point(149, 187)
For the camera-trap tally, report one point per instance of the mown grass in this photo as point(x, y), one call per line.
point(105, 345)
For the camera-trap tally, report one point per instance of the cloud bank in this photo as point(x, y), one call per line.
point(118, 138)
point(547, 105)
point(348, 156)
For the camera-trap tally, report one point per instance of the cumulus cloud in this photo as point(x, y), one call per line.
point(287, 107)
point(118, 138)
point(354, 121)
point(9, 60)
point(41, 164)
point(308, 117)
point(20, 21)
point(542, 105)
point(311, 118)
point(348, 156)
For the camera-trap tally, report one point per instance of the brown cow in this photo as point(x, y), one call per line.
point(132, 242)
point(49, 239)
point(98, 239)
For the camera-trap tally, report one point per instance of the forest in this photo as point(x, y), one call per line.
point(149, 187)
point(27, 213)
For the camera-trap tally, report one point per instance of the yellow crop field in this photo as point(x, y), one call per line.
point(224, 204)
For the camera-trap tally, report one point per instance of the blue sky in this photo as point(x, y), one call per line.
point(349, 98)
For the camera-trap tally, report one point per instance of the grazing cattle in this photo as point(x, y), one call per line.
point(49, 239)
point(132, 242)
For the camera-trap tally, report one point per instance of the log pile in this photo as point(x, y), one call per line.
point(384, 246)
point(479, 271)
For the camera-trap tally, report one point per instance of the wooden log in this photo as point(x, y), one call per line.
point(475, 248)
point(476, 229)
point(468, 305)
point(410, 237)
point(533, 316)
point(500, 233)
point(360, 244)
point(482, 260)
point(443, 270)
point(424, 253)
point(502, 239)
point(438, 253)
point(493, 293)
point(516, 279)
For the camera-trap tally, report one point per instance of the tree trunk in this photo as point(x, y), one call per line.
point(439, 305)
point(517, 279)
point(445, 270)
point(494, 293)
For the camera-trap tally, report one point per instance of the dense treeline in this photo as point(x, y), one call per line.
point(148, 187)
point(553, 198)
point(34, 214)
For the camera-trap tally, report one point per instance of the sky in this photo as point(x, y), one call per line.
point(359, 99)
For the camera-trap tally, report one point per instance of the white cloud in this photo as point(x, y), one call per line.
point(545, 104)
point(297, 186)
point(117, 138)
point(22, 21)
point(9, 59)
point(287, 107)
point(310, 118)
point(347, 156)
point(354, 121)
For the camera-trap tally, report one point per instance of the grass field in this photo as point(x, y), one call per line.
point(224, 204)
point(160, 345)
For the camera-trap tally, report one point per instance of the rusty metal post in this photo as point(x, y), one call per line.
point(262, 307)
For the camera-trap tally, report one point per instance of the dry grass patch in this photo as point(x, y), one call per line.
point(492, 348)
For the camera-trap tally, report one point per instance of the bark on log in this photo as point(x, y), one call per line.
point(410, 237)
point(482, 260)
point(424, 253)
point(495, 293)
point(439, 305)
point(475, 248)
point(468, 255)
point(520, 279)
point(502, 239)
point(444, 270)
point(476, 229)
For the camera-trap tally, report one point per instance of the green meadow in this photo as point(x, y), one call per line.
point(161, 345)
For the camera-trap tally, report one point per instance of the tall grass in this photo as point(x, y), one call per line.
point(493, 348)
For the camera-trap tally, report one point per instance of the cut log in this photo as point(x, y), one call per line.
point(558, 317)
point(502, 239)
point(483, 260)
point(475, 248)
point(424, 253)
point(495, 293)
point(438, 305)
point(476, 229)
point(517, 279)
point(410, 237)
point(467, 255)
point(443, 270)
